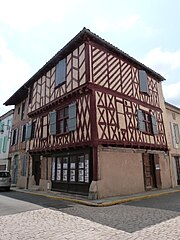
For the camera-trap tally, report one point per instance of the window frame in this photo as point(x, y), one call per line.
point(60, 75)
point(147, 122)
point(62, 118)
point(143, 82)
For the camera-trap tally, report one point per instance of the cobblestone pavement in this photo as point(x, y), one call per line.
point(52, 224)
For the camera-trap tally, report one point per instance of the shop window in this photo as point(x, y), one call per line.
point(74, 168)
point(143, 82)
point(60, 72)
point(65, 169)
point(147, 122)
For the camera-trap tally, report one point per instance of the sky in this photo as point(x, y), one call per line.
point(32, 31)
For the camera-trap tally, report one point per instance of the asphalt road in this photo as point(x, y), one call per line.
point(129, 217)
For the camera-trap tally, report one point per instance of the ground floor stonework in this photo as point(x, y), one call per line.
point(96, 172)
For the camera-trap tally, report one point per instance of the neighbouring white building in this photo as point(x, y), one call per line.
point(5, 135)
point(173, 131)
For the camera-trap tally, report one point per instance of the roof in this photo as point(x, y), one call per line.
point(7, 114)
point(172, 107)
point(22, 92)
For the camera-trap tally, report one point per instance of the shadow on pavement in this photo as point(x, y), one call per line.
point(42, 201)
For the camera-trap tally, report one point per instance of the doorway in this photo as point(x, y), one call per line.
point(177, 161)
point(151, 167)
point(36, 169)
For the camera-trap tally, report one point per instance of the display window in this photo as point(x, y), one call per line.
point(73, 168)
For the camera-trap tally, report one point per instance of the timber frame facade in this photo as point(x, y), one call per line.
point(96, 122)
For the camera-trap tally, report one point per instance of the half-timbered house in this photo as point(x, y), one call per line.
point(96, 121)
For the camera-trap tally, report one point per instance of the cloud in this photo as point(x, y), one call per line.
point(168, 65)
point(22, 15)
point(14, 73)
point(104, 24)
point(163, 62)
point(171, 93)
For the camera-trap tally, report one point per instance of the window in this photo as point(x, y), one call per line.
point(33, 129)
point(62, 120)
point(22, 110)
point(19, 110)
point(23, 166)
point(1, 141)
point(61, 72)
point(147, 122)
point(14, 139)
point(5, 143)
point(176, 132)
point(23, 133)
point(44, 129)
point(73, 168)
point(30, 94)
point(143, 82)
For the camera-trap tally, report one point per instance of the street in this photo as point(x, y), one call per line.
point(26, 216)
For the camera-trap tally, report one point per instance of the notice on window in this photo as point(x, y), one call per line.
point(72, 165)
point(81, 175)
point(72, 175)
point(65, 166)
point(53, 170)
point(64, 175)
point(58, 177)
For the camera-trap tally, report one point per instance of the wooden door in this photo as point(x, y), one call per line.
point(177, 160)
point(151, 175)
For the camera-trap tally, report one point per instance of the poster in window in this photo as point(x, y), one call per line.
point(87, 163)
point(72, 175)
point(58, 163)
point(58, 177)
point(73, 166)
point(64, 175)
point(86, 178)
point(53, 169)
point(81, 175)
point(81, 164)
point(65, 166)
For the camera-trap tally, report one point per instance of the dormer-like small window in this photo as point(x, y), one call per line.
point(143, 82)
point(61, 72)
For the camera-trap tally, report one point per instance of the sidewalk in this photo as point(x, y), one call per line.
point(105, 202)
